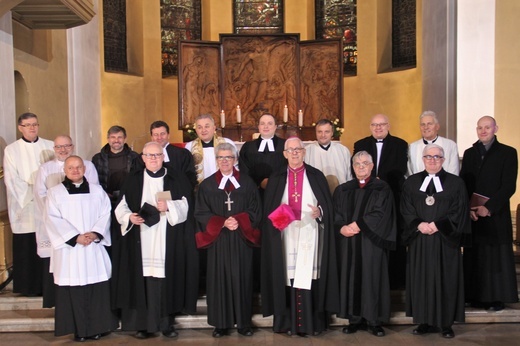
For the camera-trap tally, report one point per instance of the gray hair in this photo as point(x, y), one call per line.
point(362, 153)
point(293, 139)
point(432, 146)
point(227, 147)
point(429, 114)
point(205, 116)
point(150, 144)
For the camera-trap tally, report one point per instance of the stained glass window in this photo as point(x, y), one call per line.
point(404, 33)
point(114, 33)
point(180, 20)
point(338, 19)
point(258, 17)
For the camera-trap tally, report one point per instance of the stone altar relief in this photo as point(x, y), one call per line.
point(261, 74)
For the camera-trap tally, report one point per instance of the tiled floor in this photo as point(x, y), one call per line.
point(466, 334)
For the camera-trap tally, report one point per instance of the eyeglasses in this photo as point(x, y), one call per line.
point(30, 125)
point(378, 125)
point(364, 163)
point(64, 146)
point(153, 156)
point(433, 157)
point(225, 158)
point(294, 150)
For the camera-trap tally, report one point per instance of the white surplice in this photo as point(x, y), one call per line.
point(301, 241)
point(451, 156)
point(21, 162)
point(50, 174)
point(153, 239)
point(332, 162)
point(70, 215)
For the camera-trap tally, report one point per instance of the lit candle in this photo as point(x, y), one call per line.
point(300, 118)
point(285, 114)
point(239, 115)
point(222, 119)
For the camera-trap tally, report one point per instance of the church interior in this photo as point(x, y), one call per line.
point(52, 63)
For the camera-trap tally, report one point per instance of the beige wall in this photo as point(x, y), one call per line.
point(40, 56)
point(507, 77)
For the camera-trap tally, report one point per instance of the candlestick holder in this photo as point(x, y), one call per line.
point(239, 130)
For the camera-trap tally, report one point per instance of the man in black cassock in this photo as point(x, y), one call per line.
point(150, 273)
point(259, 159)
point(228, 211)
point(390, 156)
point(365, 224)
point(490, 168)
point(298, 274)
point(436, 215)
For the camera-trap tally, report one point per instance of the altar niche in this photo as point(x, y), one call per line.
point(247, 76)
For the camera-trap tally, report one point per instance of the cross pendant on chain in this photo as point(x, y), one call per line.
point(229, 201)
point(295, 195)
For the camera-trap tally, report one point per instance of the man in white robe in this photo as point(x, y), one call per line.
point(79, 220)
point(429, 124)
point(21, 161)
point(331, 158)
point(153, 213)
point(203, 148)
point(50, 174)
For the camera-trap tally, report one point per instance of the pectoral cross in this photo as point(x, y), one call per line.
point(295, 195)
point(229, 201)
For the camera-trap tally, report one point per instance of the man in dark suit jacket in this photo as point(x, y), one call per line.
point(178, 158)
point(390, 164)
point(490, 168)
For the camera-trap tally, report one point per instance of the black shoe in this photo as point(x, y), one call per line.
point(245, 331)
point(448, 333)
point(142, 334)
point(78, 338)
point(497, 306)
point(354, 327)
point(422, 329)
point(219, 332)
point(170, 333)
point(376, 330)
point(480, 305)
point(95, 337)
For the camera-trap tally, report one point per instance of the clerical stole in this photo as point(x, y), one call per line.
point(300, 239)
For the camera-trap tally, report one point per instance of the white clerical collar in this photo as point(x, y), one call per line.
point(436, 182)
point(429, 141)
point(225, 179)
point(77, 185)
point(268, 142)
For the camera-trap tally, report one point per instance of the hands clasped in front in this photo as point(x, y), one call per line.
point(427, 228)
point(87, 238)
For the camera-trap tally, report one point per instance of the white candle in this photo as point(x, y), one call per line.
point(300, 118)
point(222, 119)
point(239, 115)
point(285, 114)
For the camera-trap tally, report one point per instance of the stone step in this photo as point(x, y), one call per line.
point(43, 319)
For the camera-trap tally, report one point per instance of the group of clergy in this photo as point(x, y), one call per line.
point(321, 232)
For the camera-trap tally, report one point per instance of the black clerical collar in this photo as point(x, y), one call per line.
point(378, 140)
point(324, 147)
point(427, 141)
point(207, 145)
point(160, 173)
point(73, 188)
point(28, 141)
